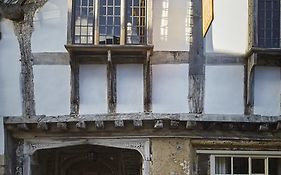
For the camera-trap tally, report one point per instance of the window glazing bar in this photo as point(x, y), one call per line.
point(123, 22)
point(97, 33)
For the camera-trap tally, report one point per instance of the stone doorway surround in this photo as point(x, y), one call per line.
point(30, 146)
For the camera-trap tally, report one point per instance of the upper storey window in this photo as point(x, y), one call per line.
point(109, 22)
point(269, 23)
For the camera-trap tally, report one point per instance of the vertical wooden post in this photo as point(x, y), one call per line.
point(74, 97)
point(147, 71)
point(249, 84)
point(111, 84)
point(197, 62)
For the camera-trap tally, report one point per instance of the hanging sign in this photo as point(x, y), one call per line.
point(208, 15)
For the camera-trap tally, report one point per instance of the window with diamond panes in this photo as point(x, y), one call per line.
point(269, 23)
point(109, 19)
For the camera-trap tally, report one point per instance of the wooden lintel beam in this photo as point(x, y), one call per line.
point(22, 127)
point(62, 126)
point(43, 126)
point(190, 125)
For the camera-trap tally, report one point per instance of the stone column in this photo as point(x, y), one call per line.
point(172, 156)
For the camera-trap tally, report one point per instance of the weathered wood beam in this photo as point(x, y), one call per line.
point(111, 84)
point(22, 127)
point(278, 126)
point(190, 125)
point(74, 82)
point(249, 84)
point(264, 127)
point(197, 62)
point(43, 126)
point(147, 82)
point(147, 116)
point(62, 126)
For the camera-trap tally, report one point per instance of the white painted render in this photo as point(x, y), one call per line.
point(129, 88)
point(93, 89)
point(229, 30)
point(267, 91)
point(52, 89)
point(50, 27)
point(10, 93)
point(2, 136)
point(170, 88)
point(171, 25)
point(224, 89)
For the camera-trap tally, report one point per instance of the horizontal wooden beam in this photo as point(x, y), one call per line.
point(145, 116)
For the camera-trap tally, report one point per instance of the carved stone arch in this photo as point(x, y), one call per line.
point(140, 145)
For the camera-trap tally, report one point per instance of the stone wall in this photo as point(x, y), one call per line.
point(172, 156)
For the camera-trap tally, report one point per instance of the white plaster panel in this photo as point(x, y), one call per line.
point(171, 25)
point(52, 89)
point(129, 88)
point(224, 89)
point(229, 30)
point(50, 27)
point(10, 93)
point(93, 89)
point(267, 91)
point(170, 88)
point(2, 136)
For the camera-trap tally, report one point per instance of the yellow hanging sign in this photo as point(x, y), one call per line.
point(208, 15)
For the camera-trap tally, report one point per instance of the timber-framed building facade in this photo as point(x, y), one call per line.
point(131, 87)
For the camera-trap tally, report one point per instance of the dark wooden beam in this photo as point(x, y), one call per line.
point(74, 81)
point(111, 84)
point(147, 82)
point(197, 62)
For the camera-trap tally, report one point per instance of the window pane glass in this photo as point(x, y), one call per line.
point(274, 166)
point(268, 21)
point(110, 22)
point(136, 22)
point(240, 165)
point(223, 165)
point(258, 166)
point(84, 21)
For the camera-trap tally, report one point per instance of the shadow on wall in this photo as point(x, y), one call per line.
point(171, 25)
